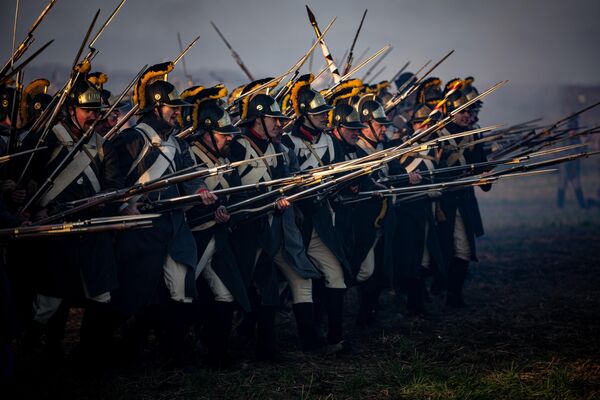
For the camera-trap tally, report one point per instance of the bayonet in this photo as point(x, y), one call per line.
point(349, 60)
point(388, 50)
point(235, 55)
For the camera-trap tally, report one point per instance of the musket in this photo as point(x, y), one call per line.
point(185, 71)
point(393, 102)
point(424, 133)
point(546, 163)
point(139, 189)
point(363, 54)
point(441, 186)
point(6, 77)
point(376, 63)
point(470, 169)
point(235, 55)
point(28, 39)
point(8, 157)
point(397, 75)
point(326, 53)
point(350, 58)
point(285, 89)
point(78, 146)
point(62, 97)
point(523, 142)
point(310, 60)
point(377, 74)
point(329, 91)
point(14, 114)
point(94, 225)
point(115, 129)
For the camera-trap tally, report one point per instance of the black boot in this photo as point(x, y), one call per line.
point(580, 199)
point(266, 346)
point(55, 333)
point(96, 343)
point(560, 198)
point(334, 304)
point(456, 279)
point(368, 300)
point(414, 298)
point(305, 322)
point(217, 334)
point(177, 321)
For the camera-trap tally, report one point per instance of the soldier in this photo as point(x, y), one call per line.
point(275, 237)
point(157, 265)
point(377, 224)
point(98, 79)
point(313, 147)
point(217, 273)
point(461, 221)
point(83, 266)
point(418, 249)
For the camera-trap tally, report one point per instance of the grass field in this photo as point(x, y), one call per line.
point(532, 330)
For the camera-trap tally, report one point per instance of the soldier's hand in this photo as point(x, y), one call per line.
point(131, 209)
point(18, 196)
point(282, 204)
point(207, 197)
point(221, 215)
point(41, 214)
point(7, 185)
point(414, 178)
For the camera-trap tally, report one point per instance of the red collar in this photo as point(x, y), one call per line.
point(255, 134)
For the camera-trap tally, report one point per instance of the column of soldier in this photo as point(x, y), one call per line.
point(196, 215)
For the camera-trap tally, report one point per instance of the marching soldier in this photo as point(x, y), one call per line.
point(377, 265)
point(84, 266)
point(274, 238)
point(461, 220)
point(313, 147)
point(158, 265)
point(217, 272)
point(418, 249)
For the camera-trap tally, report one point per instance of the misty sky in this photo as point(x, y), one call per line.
point(537, 45)
point(524, 41)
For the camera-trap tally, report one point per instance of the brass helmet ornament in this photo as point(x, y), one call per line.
point(6, 99)
point(86, 96)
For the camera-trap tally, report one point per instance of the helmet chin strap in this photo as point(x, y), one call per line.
point(376, 139)
point(74, 120)
point(211, 134)
point(264, 126)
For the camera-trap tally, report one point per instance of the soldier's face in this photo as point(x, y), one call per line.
point(84, 118)
point(319, 121)
point(274, 129)
point(378, 132)
point(462, 118)
point(223, 142)
point(169, 114)
point(349, 135)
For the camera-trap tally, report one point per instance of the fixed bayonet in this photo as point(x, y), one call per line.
point(350, 58)
point(235, 55)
